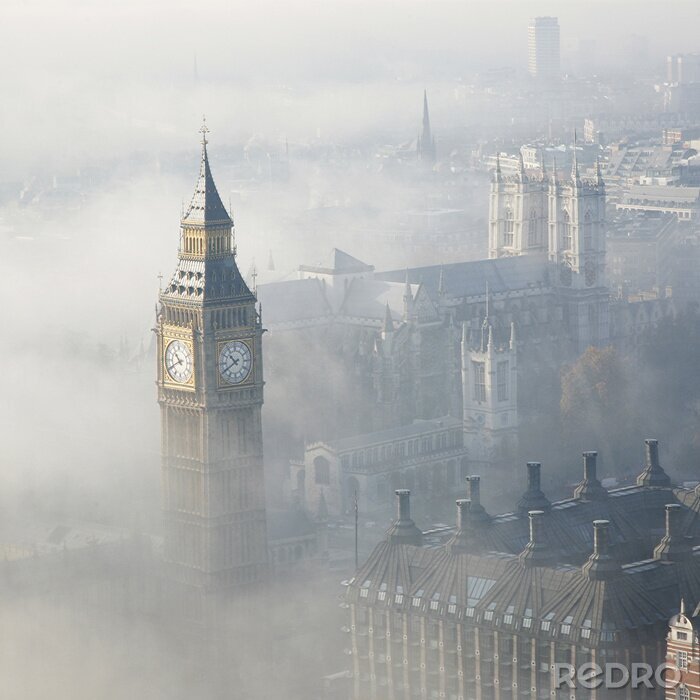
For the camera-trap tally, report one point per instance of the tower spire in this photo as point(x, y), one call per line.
point(598, 173)
point(486, 329)
point(206, 206)
point(497, 173)
point(388, 320)
point(574, 163)
point(426, 143)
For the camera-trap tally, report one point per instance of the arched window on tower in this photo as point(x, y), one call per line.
point(566, 240)
point(587, 232)
point(532, 237)
point(509, 229)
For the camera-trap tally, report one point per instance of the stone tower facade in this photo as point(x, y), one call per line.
point(210, 391)
point(517, 213)
point(564, 219)
point(489, 392)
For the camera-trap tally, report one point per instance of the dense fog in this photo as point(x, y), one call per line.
point(102, 103)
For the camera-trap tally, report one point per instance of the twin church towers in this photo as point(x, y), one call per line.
point(210, 391)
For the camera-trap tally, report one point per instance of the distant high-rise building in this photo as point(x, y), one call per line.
point(683, 68)
point(543, 48)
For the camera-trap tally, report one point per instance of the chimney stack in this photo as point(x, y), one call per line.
point(533, 498)
point(601, 565)
point(653, 474)
point(403, 505)
point(403, 529)
point(477, 512)
point(590, 489)
point(674, 545)
point(463, 507)
point(464, 539)
point(538, 551)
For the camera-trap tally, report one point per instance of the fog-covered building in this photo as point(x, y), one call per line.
point(486, 612)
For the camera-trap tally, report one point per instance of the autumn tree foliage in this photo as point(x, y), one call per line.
point(599, 409)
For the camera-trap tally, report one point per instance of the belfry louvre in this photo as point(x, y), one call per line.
point(486, 613)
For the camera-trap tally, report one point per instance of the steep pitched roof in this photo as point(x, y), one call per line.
point(468, 279)
point(338, 262)
point(206, 206)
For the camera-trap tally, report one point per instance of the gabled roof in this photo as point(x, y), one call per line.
point(469, 279)
point(338, 262)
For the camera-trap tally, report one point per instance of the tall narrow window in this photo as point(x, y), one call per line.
point(479, 374)
point(510, 227)
point(587, 232)
point(532, 233)
point(566, 231)
point(502, 380)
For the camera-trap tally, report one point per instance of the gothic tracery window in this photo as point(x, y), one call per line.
point(587, 232)
point(509, 228)
point(566, 231)
point(532, 237)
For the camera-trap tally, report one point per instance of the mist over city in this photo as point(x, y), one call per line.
point(351, 350)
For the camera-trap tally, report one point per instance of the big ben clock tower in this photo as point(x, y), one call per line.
point(210, 391)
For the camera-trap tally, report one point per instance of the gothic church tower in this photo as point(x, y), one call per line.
point(517, 213)
point(210, 391)
point(489, 392)
point(576, 220)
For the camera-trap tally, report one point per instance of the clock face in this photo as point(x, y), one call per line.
point(178, 361)
point(235, 361)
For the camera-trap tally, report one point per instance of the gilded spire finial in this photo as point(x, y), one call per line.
point(204, 130)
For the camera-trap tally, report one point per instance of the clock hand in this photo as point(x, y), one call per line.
point(228, 367)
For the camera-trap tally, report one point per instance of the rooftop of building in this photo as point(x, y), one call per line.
point(402, 432)
point(591, 569)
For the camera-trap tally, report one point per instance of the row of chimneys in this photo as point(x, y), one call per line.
point(674, 546)
point(590, 488)
point(601, 565)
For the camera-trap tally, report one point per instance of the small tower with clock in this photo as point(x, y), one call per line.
point(210, 391)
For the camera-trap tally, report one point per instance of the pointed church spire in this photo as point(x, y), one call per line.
point(388, 320)
point(521, 167)
point(441, 281)
point(598, 173)
point(426, 142)
point(407, 298)
point(206, 206)
point(497, 172)
point(574, 163)
point(426, 116)
point(486, 328)
point(543, 166)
